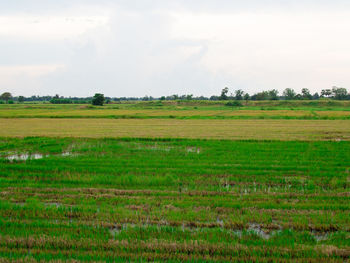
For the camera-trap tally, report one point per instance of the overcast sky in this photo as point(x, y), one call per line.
point(164, 47)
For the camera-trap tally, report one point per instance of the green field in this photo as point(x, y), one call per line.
point(157, 189)
point(312, 110)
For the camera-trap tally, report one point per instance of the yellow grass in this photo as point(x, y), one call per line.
point(174, 128)
point(106, 112)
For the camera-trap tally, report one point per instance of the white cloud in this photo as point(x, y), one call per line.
point(134, 48)
point(25, 79)
point(273, 50)
point(29, 70)
point(48, 28)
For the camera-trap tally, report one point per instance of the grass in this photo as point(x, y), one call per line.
point(116, 200)
point(175, 181)
point(174, 111)
point(322, 103)
point(174, 128)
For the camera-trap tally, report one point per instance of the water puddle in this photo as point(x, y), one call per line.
point(193, 150)
point(21, 204)
point(155, 148)
point(256, 228)
point(53, 204)
point(167, 148)
point(67, 154)
point(114, 232)
point(24, 157)
point(35, 156)
point(220, 222)
point(253, 228)
point(124, 227)
point(320, 236)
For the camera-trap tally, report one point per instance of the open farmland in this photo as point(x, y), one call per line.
point(154, 189)
point(161, 128)
point(174, 131)
point(185, 110)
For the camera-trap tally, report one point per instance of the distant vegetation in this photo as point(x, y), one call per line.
point(335, 93)
point(325, 109)
point(98, 99)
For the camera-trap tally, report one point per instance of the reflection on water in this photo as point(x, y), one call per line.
point(24, 157)
point(193, 150)
point(34, 156)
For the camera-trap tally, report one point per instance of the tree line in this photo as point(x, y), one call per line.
point(336, 93)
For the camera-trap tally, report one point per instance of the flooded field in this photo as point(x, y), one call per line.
point(33, 156)
point(180, 199)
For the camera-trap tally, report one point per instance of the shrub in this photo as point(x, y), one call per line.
point(98, 99)
point(234, 103)
point(61, 101)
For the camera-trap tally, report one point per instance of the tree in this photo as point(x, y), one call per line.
point(246, 98)
point(339, 93)
point(298, 97)
point(239, 94)
point(306, 95)
point(316, 96)
point(264, 95)
point(289, 94)
point(189, 97)
point(20, 99)
point(6, 96)
point(273, 94)
point(174, 97)
point(224, 92)
point(98, 99)
point(326, 93)
point(61, 101)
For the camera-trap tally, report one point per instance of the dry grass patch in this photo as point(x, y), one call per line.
point(167, 128)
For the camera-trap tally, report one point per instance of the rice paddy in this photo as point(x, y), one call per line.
point(175, 190)
point(163, 110)
point(160, 128)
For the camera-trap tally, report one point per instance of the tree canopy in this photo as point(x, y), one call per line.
point(98, 99)
point(6, 96)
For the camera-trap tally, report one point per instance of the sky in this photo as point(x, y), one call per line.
point(164, 47)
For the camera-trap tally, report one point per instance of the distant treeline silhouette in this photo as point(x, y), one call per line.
point(336, 93)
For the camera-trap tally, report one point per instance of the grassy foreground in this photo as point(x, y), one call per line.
point(181, 181)
point(180, 200)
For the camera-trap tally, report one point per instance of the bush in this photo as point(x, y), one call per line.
point(11, 102)
point(61, 101)
point(98, 99)
point(234, 103)
point(81, 101)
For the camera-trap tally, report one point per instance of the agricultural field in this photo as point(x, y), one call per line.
point(313, 110)
point(79, 184)
point(255, 129)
